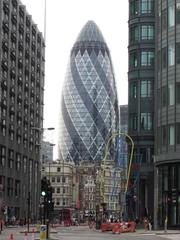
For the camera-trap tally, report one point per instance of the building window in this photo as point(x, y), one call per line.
point(134, 33)
point(164, 19)
point(143, 155)
point(177, 133)
point(133, 59)
point(146, 88)
point(134, 7)
point(2, 155)
point(58, 169)
point(177, 13)
point(171, 94)
point(164, 96)
point(147, 58)
point(133, 90)
point(18, 161)
point(58, 190)
point(171, 55)
point(177, 53)
point(147, 32)
point(171, 16)
point(133, 121)
point(147, 6)
point(164, 57)
point(164, 135)
point(146, 121)
point(25, 164)
point(171, 135)
point(177, 93)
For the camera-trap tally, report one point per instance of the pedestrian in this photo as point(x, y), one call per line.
point(150, 223)
point(146, 223)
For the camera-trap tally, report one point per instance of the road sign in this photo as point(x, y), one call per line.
point(43, 232)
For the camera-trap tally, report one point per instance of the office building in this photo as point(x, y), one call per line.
point(167, 118)
point(62, 176)
point(47, 152)
point(89, 103)
point(21, 111)
point(141, 77)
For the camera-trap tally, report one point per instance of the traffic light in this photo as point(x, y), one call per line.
point(44, 184)
point(49, 193)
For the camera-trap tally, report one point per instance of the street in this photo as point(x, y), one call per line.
point(84, 233)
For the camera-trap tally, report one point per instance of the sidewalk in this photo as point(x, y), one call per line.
point(156, 232)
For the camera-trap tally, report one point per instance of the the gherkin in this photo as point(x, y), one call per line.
point(89, 107)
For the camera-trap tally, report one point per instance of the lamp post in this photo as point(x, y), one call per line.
point(28, 200)
point(31, 197)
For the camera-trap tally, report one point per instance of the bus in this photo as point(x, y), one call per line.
point(66, 216)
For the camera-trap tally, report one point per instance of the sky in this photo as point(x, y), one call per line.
point(64, 21)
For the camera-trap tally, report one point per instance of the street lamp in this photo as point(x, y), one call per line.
point(36, 192)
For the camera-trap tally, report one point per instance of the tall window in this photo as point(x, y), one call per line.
point(146, 121)
point(177, 133)
point(134, 33)
point(146, 88)
point(178, 13)
point(177, 93)
point(178, 53)
point(164, 136)
point(134, 7)
point(164, 19)
point(147, 6)
point(133, 90)
point(171, 16)
point(147, 58)
point(147, 32)
point(133, 121)
point(164, 96)
point(133, 59)
point(171, 94)
point(164, 57)
point(171, 55)
point(159, 60)
point(171, 135)
point(143, 155)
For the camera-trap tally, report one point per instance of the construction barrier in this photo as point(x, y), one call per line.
point(43, 232)
point(124, 227)
point(25, 235)
point(11, 237)
point(33, 234)
point(107, 226)
point(116, 228)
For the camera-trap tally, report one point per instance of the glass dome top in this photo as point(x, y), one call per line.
point(90, 32)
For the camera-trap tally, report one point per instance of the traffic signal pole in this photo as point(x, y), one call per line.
point(28, 203)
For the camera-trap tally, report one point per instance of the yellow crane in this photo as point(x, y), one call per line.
point(103, 163)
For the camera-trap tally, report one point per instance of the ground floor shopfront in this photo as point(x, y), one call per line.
point(167, 195)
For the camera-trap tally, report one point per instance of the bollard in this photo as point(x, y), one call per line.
point(25, 236)
point(165, 224)
point(11, 237)
point(33, 234)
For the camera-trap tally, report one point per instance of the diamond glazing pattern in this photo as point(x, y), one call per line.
point(89, 100)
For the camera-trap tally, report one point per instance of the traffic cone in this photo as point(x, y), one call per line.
point(11, 237)
point(25, 235)
point(33, 232)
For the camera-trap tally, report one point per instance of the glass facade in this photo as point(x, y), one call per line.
point(169, 194)
point(89, 99)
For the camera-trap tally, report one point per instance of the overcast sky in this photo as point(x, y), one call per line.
point(64, 21)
